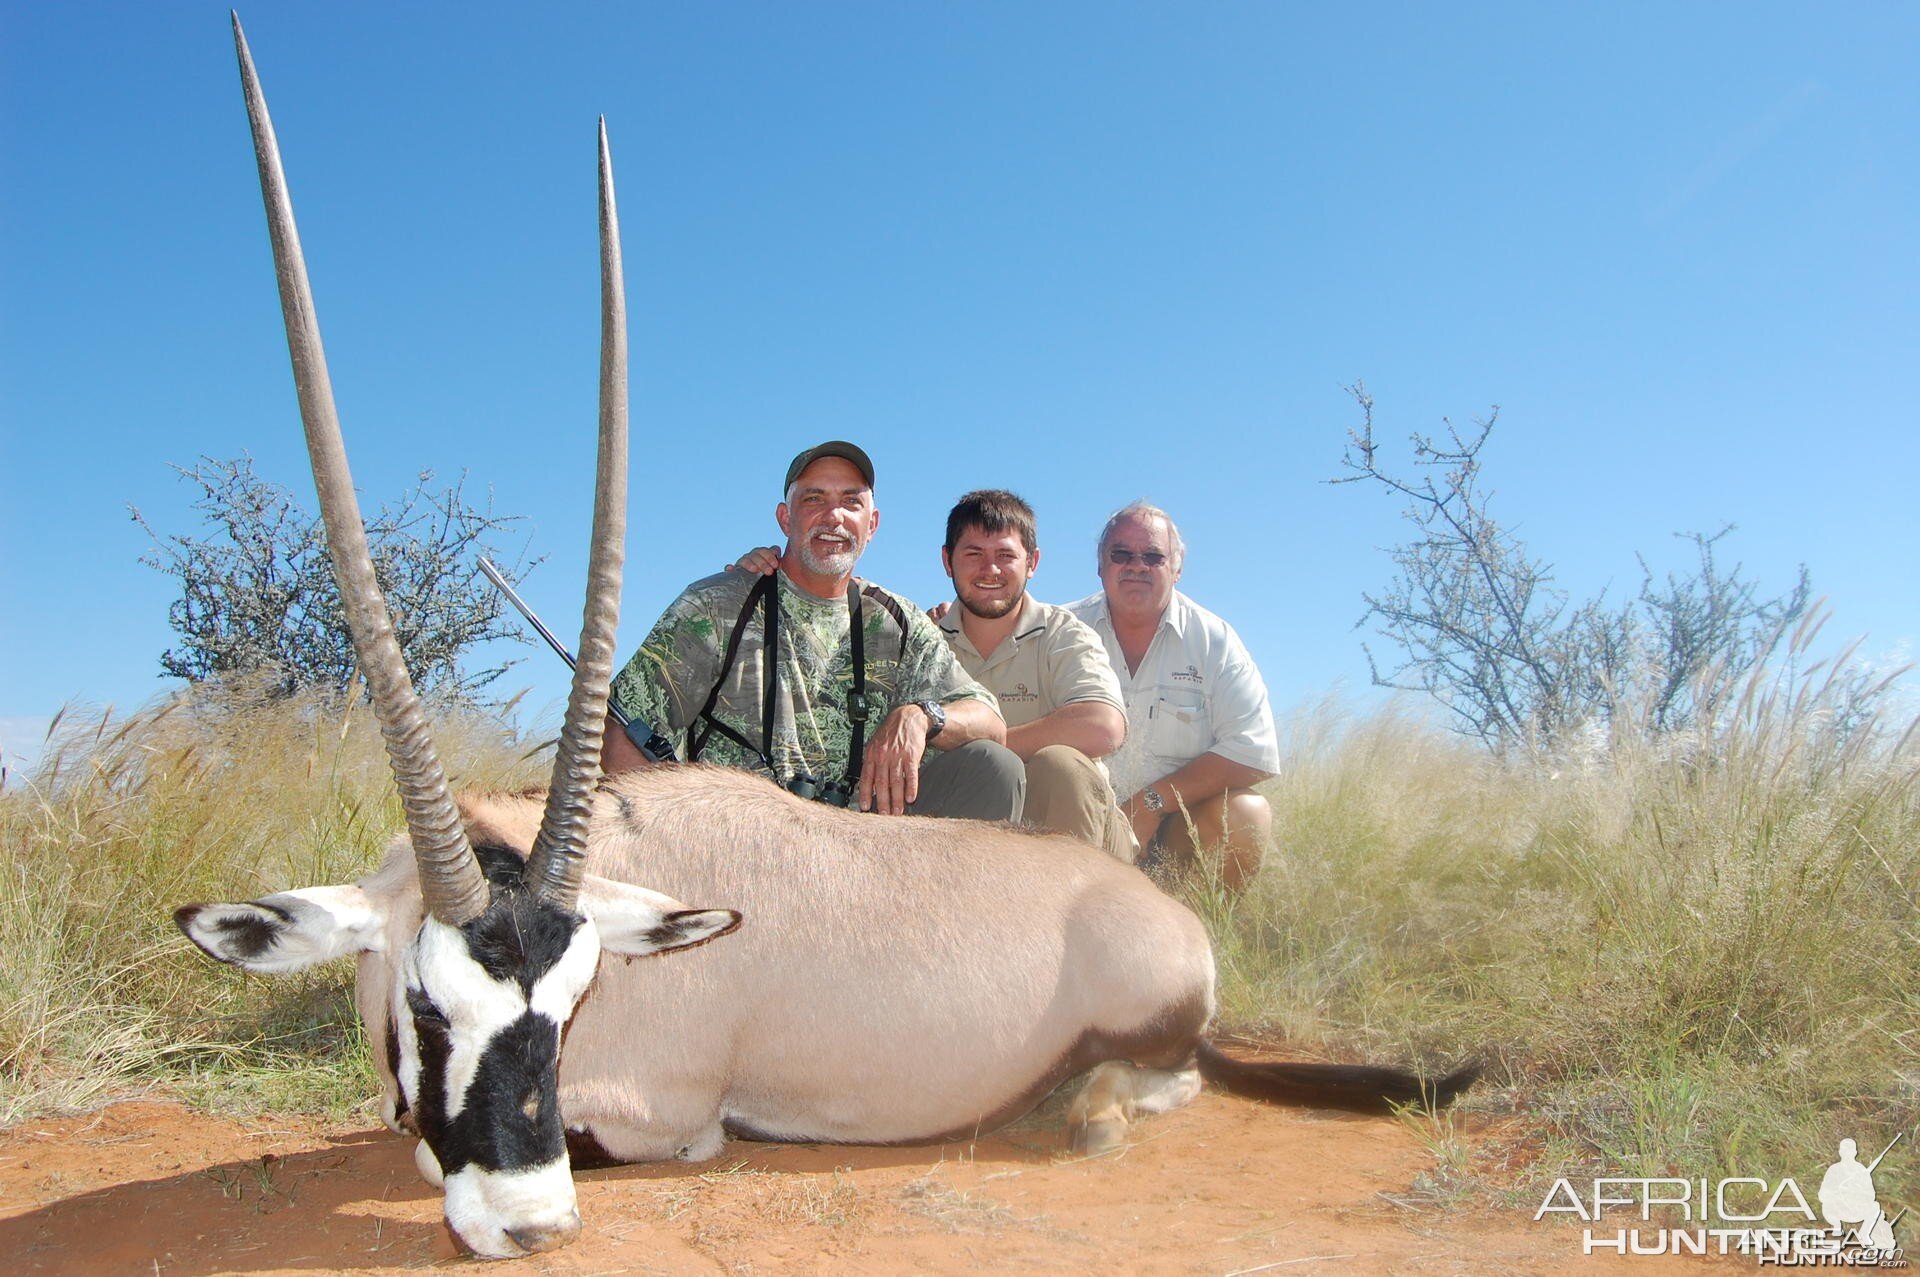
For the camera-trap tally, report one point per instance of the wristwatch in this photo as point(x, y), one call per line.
point(936, 717)
point(1150, 799)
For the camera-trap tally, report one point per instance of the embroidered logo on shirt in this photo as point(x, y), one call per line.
point(1191, 674)
point(1020, 693)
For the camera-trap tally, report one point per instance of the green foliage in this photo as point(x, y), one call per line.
point(258, 599)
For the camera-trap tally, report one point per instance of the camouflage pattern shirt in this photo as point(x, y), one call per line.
point(669, 678)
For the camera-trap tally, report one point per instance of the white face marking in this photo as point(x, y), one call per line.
point(537, 1203)
point(427, 1164)
point(406, 1073)
point(556, 993)
point(476, 1005)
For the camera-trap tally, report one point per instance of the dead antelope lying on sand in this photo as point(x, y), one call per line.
point(891, 979)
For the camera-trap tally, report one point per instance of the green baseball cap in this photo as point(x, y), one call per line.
point(832, 448)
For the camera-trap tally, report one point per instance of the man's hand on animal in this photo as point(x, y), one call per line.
point(890, 771)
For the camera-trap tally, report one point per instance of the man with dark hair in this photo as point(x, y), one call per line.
point(1200, 732)
point(831, 686)
point(1048, 670)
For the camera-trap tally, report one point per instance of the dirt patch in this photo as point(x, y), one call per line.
point(1224, 1186)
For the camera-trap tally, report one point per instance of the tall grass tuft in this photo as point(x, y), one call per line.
point(217, 793)
point(1686, 956)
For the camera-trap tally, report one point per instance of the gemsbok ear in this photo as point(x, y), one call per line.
point(286, 932)
point(634, 921)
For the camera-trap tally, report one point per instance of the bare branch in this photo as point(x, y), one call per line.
point(1481, 626)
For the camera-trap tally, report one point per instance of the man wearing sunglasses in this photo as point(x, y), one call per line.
point(1200, 732)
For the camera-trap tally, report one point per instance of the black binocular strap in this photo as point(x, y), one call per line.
point(856, 703)
point(706, 724)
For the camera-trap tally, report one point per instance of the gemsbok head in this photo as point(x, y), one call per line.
point(507, 946)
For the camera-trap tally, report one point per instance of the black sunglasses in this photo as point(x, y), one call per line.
point(1125, 558)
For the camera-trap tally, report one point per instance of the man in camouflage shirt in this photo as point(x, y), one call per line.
point(934, 737)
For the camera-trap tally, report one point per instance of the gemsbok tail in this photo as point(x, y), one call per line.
point(1349, 1086)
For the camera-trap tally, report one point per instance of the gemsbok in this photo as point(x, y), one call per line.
point(880, 980)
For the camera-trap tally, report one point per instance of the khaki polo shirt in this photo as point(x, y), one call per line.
point(1051, 659)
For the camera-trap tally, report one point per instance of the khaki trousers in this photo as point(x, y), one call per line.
point(977, 781)
point(1067, 793)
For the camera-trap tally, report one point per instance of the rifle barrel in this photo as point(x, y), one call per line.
point(493, 574)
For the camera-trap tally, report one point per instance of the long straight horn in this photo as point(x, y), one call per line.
point(559, 851)
point(450, 879)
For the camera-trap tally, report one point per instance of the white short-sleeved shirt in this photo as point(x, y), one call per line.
point(1196, 692)
point(1051, 659)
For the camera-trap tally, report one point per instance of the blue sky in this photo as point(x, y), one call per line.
point(1088, 251)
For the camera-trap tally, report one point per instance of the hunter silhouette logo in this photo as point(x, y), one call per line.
point(1847, 1197)
point(1741, 1214)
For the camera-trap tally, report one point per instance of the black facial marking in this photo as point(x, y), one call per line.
point(425, 1009)
point(503, 866)
point(512, 1116)
point(520, 937)
point(393, 1069)
point(510, 1119)
point(435, 1043)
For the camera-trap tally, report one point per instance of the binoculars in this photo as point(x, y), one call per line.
point(833, 793)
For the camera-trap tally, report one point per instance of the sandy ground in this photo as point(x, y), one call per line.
point(1226, 1186)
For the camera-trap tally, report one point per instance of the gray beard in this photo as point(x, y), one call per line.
point(839, 564)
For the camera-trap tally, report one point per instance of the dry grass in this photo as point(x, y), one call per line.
point(1695, 957)
point(213, 795)
point(1677, 956)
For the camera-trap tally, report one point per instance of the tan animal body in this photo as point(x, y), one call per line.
point(892, 979)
